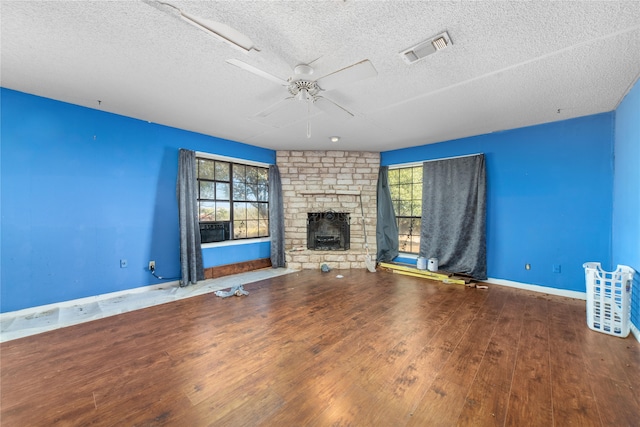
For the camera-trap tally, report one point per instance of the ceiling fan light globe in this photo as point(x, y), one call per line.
point(302, 95)
point(303, 69)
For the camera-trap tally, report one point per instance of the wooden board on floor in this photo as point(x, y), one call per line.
point(412, 271)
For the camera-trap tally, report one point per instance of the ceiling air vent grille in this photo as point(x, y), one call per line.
point(426, 48)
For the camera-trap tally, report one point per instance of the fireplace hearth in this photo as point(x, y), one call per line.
point(328, 231)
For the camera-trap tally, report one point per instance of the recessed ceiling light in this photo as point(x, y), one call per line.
point(334, 138)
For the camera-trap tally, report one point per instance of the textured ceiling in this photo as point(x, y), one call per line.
point(512, 64)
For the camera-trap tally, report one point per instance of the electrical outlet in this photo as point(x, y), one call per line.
point(124, 263)
point(556, 268)
point(152, 265)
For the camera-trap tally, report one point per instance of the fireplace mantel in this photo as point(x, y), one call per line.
point(329, 193)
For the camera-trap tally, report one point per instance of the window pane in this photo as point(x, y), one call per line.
point(263, 176)
point(222, 191)
point(240, 211)
point(223, 211)
point(396, 207)
point(205, 168)
point(405, 232)
point(394, 176)
point(263, 210)
point(403, 192)
point(263, 193)
point(239, 191)
point(417, 174)
point(207, 190)
point(239, 230)
point(395, 192)
point(406, 176)
point(405, 208)
point(238, 173)
point(416, 193)
point(252, 174)
point(416, 208)
point(222, 171)
point(207, 211)
point(252, 192)
point(409, 234)
point(415, 241)
point(264, 227)
point(252, 228)
point(252, 211)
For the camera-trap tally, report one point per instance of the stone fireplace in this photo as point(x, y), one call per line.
point(328, 182)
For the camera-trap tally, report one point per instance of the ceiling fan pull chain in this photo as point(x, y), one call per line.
point(308, 119)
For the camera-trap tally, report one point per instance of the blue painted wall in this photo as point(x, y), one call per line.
point(236, 253)
point(549, 198)
point(83, 189)
point(626, 192)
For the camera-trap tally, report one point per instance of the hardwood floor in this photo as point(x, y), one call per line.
point(309, 349)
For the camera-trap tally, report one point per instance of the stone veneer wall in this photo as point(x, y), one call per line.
point(318, 181)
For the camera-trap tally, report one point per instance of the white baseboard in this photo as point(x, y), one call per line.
point(87, 300)
point(538, 288)
point(636, 332)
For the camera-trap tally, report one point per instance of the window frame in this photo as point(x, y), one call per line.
point(233, 240)
point(414, 206)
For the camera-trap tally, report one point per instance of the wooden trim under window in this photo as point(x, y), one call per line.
point(240, 267)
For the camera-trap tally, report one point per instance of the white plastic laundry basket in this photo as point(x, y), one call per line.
point(609, 298)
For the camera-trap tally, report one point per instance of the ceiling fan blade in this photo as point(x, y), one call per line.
point(217, 29)
point(282, 113)
point(221, 31)
point(275, 107)
point(331, 108)
point(257, 71)
point(358, 71)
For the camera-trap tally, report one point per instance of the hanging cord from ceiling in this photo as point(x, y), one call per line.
point(308, 119)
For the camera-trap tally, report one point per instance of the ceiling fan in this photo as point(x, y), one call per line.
point(303, 88)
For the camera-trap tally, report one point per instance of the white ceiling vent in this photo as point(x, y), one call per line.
point(426, 48)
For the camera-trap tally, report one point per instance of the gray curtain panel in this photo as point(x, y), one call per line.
point(191, 265)
point(276, 218)
point(454, 215)
point(386, 225)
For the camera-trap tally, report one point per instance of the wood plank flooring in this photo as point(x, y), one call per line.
point(309, 349)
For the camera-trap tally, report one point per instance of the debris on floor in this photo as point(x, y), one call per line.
point(236, 290)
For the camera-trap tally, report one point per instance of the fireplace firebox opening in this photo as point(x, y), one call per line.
point(328, 231)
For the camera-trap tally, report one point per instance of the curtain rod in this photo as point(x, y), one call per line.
point(414, 164)
point(231, 159)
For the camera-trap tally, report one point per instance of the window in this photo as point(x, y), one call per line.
point(235, 194)
point(405, 185)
